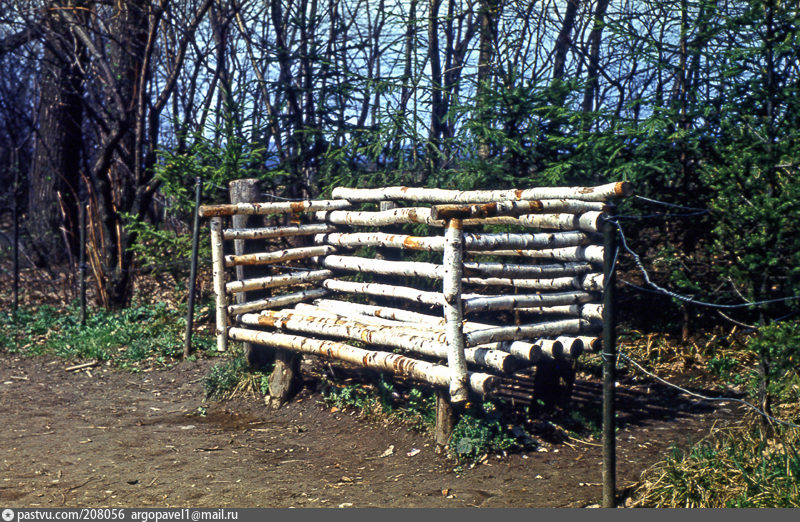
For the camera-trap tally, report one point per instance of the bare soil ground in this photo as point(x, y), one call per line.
point(113, 438)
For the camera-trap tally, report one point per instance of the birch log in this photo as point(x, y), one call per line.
point(262, 209)
point(278, 256)
point(401, 292)
point(218, 274)
point(573, 346)
point(476, 242)
point(292, 278)
point(587, 222)
point(525, 331)
point(348, 328)
point(599, 193)
point(589, 311)
point(590, 253)
point(594, 344)
point(397, 216)
point(484, 210)
point(534, 271)
point(434, 374)
point(453, 261)
point(560, 283)
point(272, 232)
point(277, 301)
point(383, 267)
point(382, 239)
point(483, 303)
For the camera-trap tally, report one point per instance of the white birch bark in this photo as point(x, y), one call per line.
point(218, 275)
point(478, 242)
point(401, 292)
point(262, 209)
point(560, 283)
point(523, 332)
point(573, 346)
point(383, 267)
point(397, 216)
point(262, 283)
point(590, 253)
point(382, 239)
point(530, 271)
point(453, 260)
point(599, 193)
point(278, 256)
point(272, 232)
point(482, 303)
point(592, 282)
point(484, 210)
point(277, 301)
point(593, 344)
point(589, 311)
point(348, 328)
point(434, 374)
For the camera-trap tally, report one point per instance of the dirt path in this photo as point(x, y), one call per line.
point(122, 439)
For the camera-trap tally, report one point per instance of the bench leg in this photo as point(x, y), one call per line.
point(283, 377)
point(446, 418)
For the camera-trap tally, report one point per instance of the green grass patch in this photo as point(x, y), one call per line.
point(737, 468)
point(137, 337)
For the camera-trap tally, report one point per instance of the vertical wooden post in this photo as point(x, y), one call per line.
point(187, 345)
point(453, 261)
point(218, 273)
point(446, 419)
point(609, 362)
point(248, 191)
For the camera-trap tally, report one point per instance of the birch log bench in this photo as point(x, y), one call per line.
point(462, 290)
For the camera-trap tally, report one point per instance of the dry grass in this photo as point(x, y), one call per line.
point(736, 467)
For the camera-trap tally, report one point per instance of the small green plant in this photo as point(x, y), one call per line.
point(224, 377)
point(480, 431)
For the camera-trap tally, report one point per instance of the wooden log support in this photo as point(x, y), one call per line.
point(218, 275)
point(377, 289)
point(265, 209)
point(484, 210)
point(573, 346)
point(446, 419)
point(396, 216)
point(304, 321)
point(484, 303)
point(453, 261)
point(593, 344)
point(526, 271)
point(477, 242)
point(590, 253)
point(423, 371)
point(279, 256)
point(383, 267)
point(277, 301)
point(588, 311)
point(600, 194)
point(382, 239)
point(277, 232)
point(291, 278)
point(588, 283)
point(524, 331)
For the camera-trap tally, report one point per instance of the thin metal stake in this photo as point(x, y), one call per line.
point(16, 248)
point(82, 257)
point(609, 362)
point(187, 347)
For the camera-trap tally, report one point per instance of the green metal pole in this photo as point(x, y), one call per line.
point(609, 362)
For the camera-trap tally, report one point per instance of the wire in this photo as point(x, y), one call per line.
point(706, 398)
point(660, 290)
point(671, 205)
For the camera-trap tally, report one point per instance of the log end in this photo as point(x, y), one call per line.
point(623, 189)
